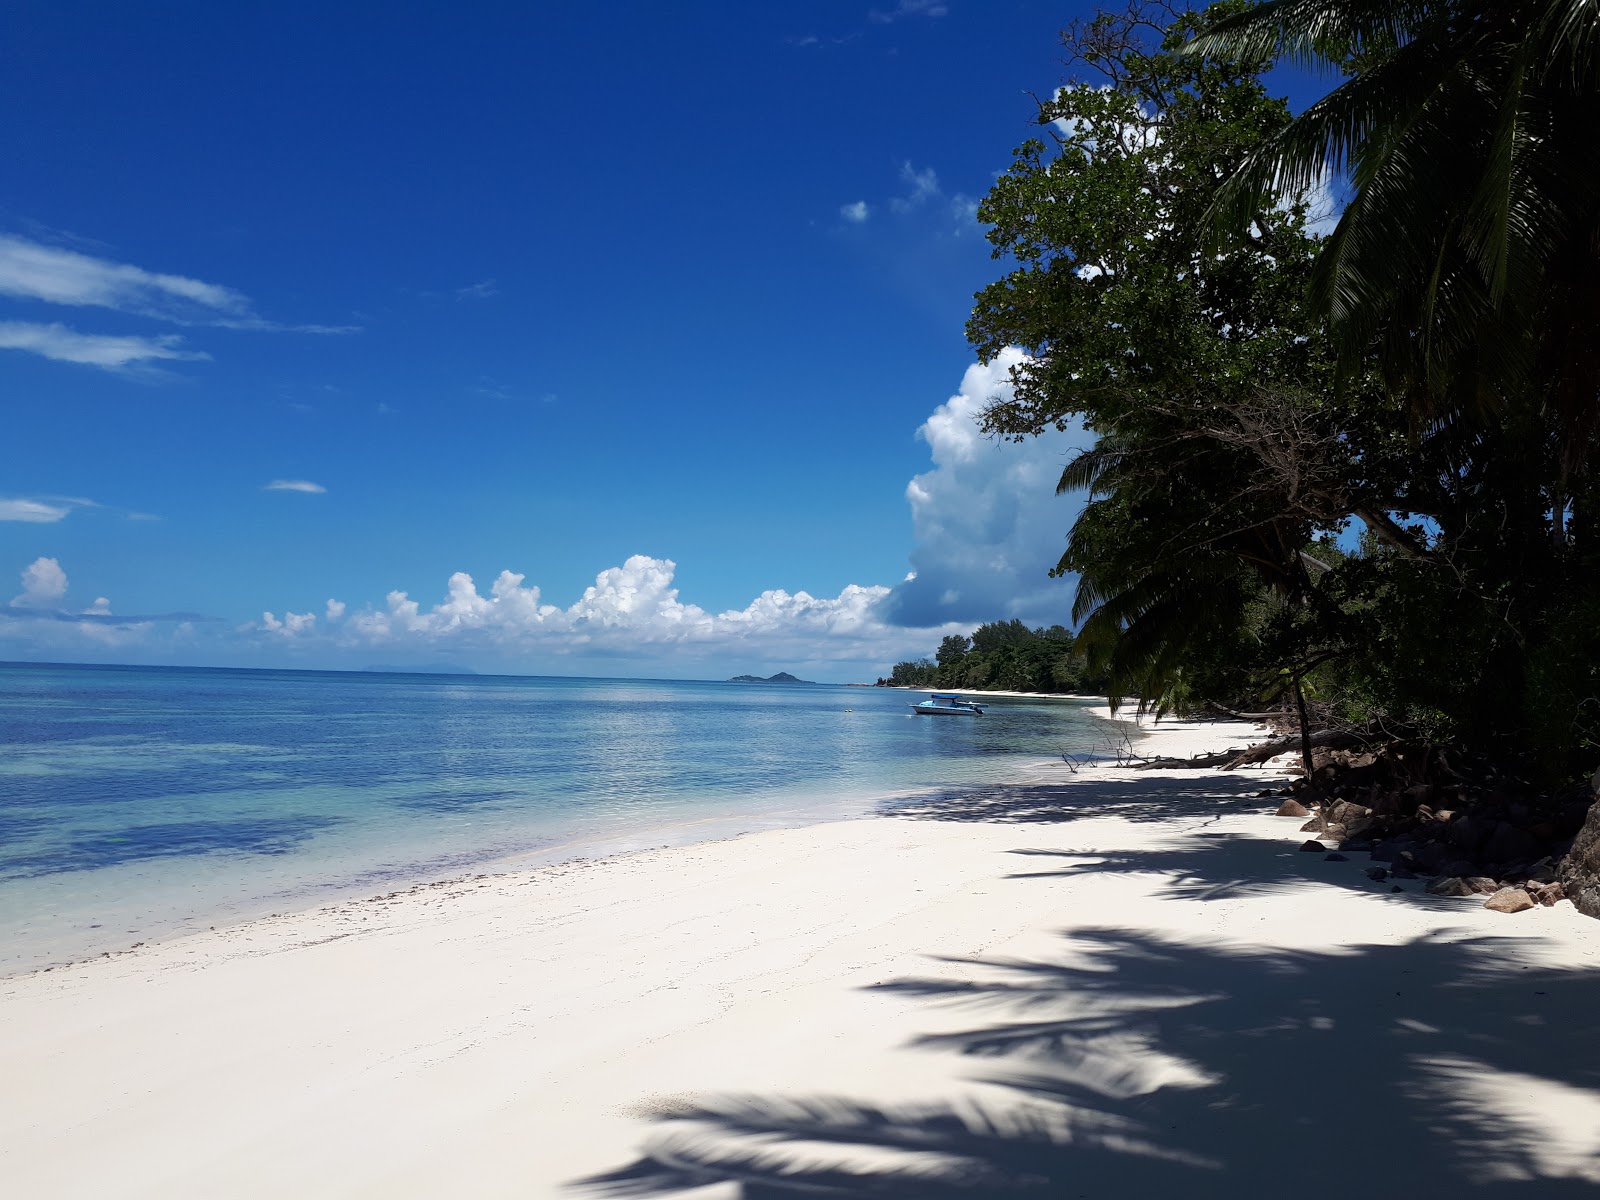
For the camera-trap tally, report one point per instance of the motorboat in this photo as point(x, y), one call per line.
point(947, 704)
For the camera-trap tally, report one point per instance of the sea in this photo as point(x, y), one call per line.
point(138, 803)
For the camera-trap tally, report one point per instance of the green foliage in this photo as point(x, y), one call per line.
point(1257, 397)
point(1467, 255)
point(1003, 656)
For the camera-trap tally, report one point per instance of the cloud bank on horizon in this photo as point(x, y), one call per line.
point(987, 527)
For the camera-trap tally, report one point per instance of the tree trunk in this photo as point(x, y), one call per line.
point(1305, 727)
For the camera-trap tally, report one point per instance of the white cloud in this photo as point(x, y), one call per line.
point(32, 510)
point(108, 351)
point(294, 485)
point(923, 192)
point(631, 611)
point(44, 509)
point(855, 213)
point(1323, 208)
point(38, 621)
point(909, 8)
point(482, 290)
point(33, 271)
point(988, 528)
point(292, 626)
point(987, 523)
point(921, 186)
point(51, 274)
point(44, 585)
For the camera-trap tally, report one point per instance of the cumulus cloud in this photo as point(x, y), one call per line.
point(108, 351)
point(632, 610)
point(987, 523)
point(292, 625)
point(37, 620)
point(44, 585)
point(294, 485)
point(856, 212)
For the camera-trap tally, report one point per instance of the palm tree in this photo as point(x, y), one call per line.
point(1468, 256)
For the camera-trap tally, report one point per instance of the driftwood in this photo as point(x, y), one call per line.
point(1326, 739)
point(1223, 759)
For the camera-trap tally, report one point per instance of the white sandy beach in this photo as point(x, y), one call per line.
point(1109, 981)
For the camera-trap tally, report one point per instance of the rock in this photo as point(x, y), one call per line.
point(1467, 832)
point(1390, 851)
point(1401, 871)
point(1553, 893)
point(1450, 885)
point(1483, 885)
point(1509, 844)
point(1461, 867)
point(1544, 871)
point(1397, 888)
point(1347, 812)
point(1376, 874)
point(1420, 793)
point(1509, 900)
point(1291, 808)
point(1318, 847)
point(1312, 826)
point(1431, 859)
point(1356, 845)
point(1334, 858)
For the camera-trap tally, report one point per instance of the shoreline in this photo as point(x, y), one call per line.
point(514, 1033)
point(72, 946)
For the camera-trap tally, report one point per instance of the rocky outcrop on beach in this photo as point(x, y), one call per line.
point(1475, 830)
point(1580, 870)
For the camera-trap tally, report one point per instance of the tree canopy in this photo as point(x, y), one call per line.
point(1291, 494)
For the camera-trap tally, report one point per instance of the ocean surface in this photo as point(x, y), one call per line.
point(140, 802)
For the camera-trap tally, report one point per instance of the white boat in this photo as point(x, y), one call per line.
point(947, 704)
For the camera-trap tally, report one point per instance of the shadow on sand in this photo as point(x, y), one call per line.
point(1138, 797)
point(1138, 1065)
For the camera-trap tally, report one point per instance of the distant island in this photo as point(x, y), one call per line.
point(780, 677)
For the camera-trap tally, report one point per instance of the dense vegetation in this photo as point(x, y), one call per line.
point(1351, 474)
point(1005, 656)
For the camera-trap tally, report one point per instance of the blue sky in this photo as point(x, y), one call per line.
point(659, 307)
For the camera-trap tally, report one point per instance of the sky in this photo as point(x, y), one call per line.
point(567, 339)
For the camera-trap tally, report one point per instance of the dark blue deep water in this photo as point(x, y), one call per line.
point(138, 801)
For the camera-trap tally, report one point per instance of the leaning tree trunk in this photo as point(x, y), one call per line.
point(1305, 727)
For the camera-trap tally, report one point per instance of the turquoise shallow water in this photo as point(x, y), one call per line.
point(136, 802)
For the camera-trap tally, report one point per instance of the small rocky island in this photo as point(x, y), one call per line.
point(780, 677)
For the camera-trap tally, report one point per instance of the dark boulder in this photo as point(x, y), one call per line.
point(1580, 870)
point(1510, 844)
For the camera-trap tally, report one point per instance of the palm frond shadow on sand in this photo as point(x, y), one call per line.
point(1136, 1065)
point(1139, 797)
